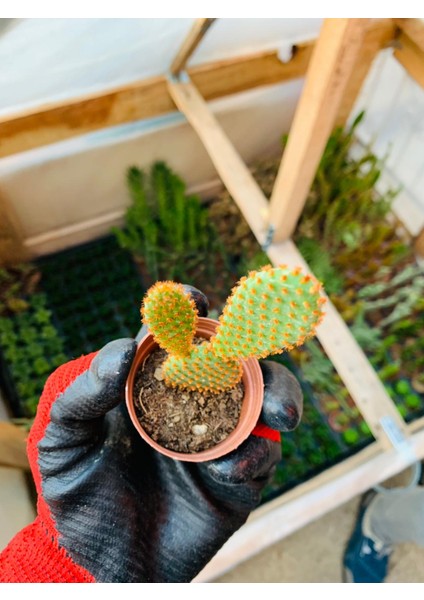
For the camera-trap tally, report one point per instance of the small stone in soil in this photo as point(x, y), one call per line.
point(199, 429)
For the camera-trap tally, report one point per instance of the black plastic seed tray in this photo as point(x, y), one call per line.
point(94, 292)
point(312, 447)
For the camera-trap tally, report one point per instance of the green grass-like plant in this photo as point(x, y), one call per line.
point(165, 228)
point(269, 311)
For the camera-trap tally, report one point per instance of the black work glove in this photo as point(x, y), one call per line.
point(123, 512)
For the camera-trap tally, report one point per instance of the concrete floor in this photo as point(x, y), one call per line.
point(314, 555)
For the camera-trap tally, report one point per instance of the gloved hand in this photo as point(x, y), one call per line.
point(110, 508)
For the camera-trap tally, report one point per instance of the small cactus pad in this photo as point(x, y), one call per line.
point(202, 370)
point(271, 310)
point(170, 314)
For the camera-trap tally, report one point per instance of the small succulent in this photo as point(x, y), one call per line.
point(271, 310)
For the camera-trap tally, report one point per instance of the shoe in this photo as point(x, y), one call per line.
point(362, 561)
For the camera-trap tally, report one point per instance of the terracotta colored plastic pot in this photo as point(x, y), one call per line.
point(250, 410)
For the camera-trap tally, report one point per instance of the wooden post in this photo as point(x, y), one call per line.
point(13, 446)
point(379, 35)
point(414, 29)
point(190, 44)
point(330, 68)
point(419, 244)
point(410, 51)
point(12, 249)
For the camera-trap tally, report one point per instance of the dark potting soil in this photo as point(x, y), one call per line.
point(183, 420)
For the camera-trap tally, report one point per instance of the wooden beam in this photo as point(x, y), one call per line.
point(148, 98)
point(227, 77)
point(378, 36)
point(419, 244)
point(193, 39)
point(414, 29)
point(13, 446)
point(330, 68)
point(349, 360)
point(12, 249)
point(228, 163)
point(411, 56)
point(144, 99)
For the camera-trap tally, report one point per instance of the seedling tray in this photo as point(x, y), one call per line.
point(92, 293)
point(314, 446)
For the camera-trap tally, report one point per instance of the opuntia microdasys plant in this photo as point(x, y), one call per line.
point(269, 311)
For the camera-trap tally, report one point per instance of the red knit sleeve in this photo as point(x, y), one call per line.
point(34, 554)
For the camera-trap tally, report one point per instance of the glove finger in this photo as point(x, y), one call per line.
point(252, 461)
point(99, 389)
point(283, 398)
point(200, 300)
point(281, 411)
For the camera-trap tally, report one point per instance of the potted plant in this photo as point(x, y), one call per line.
point(203, 375)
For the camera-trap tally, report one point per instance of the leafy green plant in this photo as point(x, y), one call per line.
point(319, 261)
point(269, 311)
point(16, 283)
point(367, 337)
point(32, 348)
point(343, 205)
point(166, 229)
point(351, 436)
point(397, 297)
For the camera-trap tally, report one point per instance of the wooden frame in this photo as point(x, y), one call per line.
point(144, 99)
point(328, 85)
point(13, 446)
point(410, 48)
point(200, 27)
point(347, 48)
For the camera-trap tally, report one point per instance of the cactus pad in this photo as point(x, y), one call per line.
point(271, 310)
point(171, 316)
point(202, 370)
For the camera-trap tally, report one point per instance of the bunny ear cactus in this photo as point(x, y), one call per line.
point(269, 311)
point(171, 316)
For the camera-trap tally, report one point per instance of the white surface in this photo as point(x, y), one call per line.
point(16, 509)
point(71, 182)
point(76, 181)
point(44, 60)
point(394, 124)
